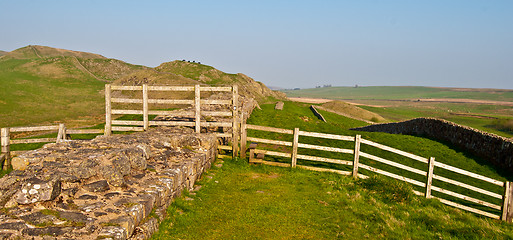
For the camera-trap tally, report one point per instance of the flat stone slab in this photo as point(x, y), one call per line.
point(104, 188)
point(279, 106)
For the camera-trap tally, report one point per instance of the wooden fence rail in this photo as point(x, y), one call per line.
point(428, 175)
point(195, 114)
point(6, 140)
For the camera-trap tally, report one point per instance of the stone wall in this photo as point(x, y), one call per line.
point(498, 150)
point(115, 187)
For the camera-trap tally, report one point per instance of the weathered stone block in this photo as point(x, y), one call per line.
point(37, 190)
point(125, 222)
point(137, 158)
point(121, 163)
point(86, 169)
point(19, 163)
point(47, 231)
point(145, 230)
point(112, 232)
point(98, 186)
point(113, 177)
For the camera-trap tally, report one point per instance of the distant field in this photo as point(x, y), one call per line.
point(484, 109)
point(402, 93)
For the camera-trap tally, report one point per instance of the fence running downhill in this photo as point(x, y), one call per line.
point(497, 206)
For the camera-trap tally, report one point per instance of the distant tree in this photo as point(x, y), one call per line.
point(297, 88)
point(199, 62)
point(356, 86)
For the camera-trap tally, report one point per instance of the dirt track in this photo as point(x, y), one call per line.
point(310, 100)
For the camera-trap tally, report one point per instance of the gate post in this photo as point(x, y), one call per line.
point(146, 122)
point(5, 146)
point(507, 205)
point(197, 107)
point(356, 156)
point(295, 143)
point(235, 106)
point(243, 136)
point(108, 111)
point(429, 180)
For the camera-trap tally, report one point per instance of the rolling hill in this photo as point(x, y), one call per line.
point(3, 53)
point(42, 84)
point(45, 85)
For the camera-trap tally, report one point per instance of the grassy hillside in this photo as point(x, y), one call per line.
point(43, 85)
point(3, 53)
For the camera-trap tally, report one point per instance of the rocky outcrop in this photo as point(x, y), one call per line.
point(496, 149)
point(115, 187)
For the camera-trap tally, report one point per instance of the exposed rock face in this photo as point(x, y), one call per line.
point(105, 188)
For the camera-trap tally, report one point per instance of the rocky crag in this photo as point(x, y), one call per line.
point(115, 187)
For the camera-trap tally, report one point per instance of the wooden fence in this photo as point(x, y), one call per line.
point(6, 140)
point(459, 200)
point(196, 114)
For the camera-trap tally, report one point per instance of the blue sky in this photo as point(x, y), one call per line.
point(286, 43)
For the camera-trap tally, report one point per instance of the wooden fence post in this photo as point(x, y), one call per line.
point(61, 135)
point(146, 122)
point(235, 97)
point(243, 136)
point(108, 111)
point(429, 180)
point(356, 156)
point(197, 107)
point(5, 146)
point(507, 209)
point(295, 142)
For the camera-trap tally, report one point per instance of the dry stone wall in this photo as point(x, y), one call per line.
point(115, 187)
point(497, 149)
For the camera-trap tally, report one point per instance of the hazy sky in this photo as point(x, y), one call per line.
point(286, 43)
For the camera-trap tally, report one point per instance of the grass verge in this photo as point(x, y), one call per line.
point(241, 201)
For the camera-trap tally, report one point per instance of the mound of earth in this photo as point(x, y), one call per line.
point(35, 51)
point(182, 72)
point(352, 111)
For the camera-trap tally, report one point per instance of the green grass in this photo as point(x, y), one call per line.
point(240, 201)
point(28, 98)
point(295, 114)
point(400, 93)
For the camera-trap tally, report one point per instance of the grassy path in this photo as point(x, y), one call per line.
point(240, 201)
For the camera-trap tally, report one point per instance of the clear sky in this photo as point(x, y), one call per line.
point(445, 43)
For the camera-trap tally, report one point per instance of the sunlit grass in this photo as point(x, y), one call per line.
point(240, 201)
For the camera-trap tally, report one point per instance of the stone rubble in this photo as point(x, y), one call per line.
point(115, 187)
